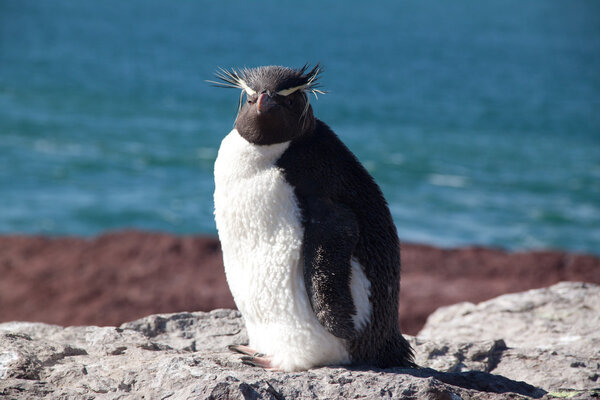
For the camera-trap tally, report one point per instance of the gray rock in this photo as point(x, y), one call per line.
point(547, 337)
point(184, 356)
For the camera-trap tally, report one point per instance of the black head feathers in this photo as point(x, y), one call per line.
point(271, 79)
point(277, 108)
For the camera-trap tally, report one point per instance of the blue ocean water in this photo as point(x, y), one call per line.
point(479, 119)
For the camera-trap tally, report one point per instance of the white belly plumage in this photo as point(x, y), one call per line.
point(259, 226)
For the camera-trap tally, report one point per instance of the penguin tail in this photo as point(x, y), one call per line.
point(406, 354)
point(399, 354)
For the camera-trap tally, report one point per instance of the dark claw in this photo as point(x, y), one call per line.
point(238, 349)
point(234, 348)
point(248, 360)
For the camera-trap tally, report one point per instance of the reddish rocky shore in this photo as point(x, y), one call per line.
point(122, 276)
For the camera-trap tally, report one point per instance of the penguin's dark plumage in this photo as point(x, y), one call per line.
point(286, 91)
point(295, 208)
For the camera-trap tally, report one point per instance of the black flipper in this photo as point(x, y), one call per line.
point(330, 236)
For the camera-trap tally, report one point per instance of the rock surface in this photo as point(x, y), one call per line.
point(556, 328)
point(548, 338)
point(121, 276)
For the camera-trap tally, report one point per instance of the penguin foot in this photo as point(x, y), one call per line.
point(248, 351)
point(262, 361)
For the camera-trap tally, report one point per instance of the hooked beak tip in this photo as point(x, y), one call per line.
point(264, 103)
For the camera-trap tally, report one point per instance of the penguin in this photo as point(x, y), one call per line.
point(311, 254)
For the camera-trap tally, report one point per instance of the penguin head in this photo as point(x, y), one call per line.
point(274, 105)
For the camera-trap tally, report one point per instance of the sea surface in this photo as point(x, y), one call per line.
point(479, 119)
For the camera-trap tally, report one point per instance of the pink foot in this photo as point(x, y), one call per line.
point(240, 348)
point(265, 362)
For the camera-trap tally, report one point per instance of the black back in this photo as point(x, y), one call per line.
point(322, 170)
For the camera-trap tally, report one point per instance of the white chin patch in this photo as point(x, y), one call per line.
point(360, 287)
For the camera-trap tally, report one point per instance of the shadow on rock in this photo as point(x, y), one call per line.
point(472, 380)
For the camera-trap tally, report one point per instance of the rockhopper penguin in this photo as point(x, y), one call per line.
point(311, 253)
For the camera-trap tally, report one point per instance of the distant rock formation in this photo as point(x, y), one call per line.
point(120, 276)
point(542, 344)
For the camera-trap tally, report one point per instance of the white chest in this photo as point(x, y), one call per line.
point(261, 234)
point(259, 226)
